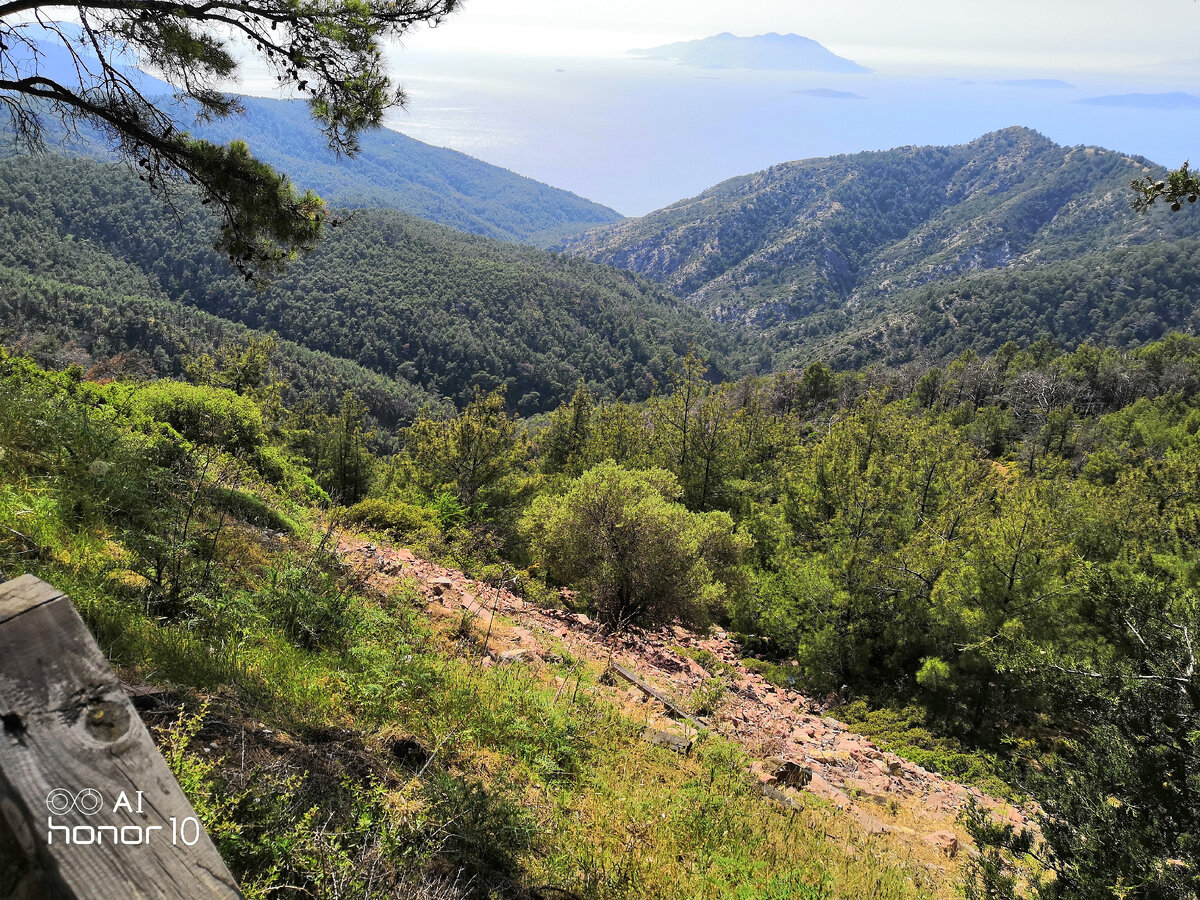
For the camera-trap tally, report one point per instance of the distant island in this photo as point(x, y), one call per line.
point(1172, 100)
point(828, 94)
point(782, 52)
point(1035, 83)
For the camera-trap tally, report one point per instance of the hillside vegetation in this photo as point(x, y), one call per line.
point(335, 738)
point(413, 310)
point(992, 568)
point(861, 245)
point(1124, 297)
point(992, 565)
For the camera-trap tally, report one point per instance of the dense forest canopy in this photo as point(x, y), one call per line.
point(434, 311)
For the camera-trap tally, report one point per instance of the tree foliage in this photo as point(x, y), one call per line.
point(1178, 187)
point(473, 455)
point(1121, 800)
point(329, 51)
point(641, 557)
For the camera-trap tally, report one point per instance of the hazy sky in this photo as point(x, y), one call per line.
point(1060, 34)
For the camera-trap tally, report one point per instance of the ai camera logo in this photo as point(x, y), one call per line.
point(128, 829)
point(89, 801)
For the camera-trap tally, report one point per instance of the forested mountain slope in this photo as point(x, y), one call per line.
point(812, 248)
point(391, 171)
point(415, 303)
point(109, 333)
point(1123, 297)
point(399, 172)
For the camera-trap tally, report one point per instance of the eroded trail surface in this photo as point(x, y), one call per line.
point(796, 746)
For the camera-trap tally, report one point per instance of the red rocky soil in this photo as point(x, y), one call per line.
point(786, 732)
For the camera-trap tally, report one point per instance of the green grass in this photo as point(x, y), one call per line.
point(529, 783)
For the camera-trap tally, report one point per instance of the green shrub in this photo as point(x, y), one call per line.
point(309, 604)
point(708, 660)
point(57, 431)
point(535, 590)
point(783, 676)
point(203, 415)
point(620, 536)
point(398, 518)
point(252, 509)
point(907, 733)
point(708, 697)
point(280, 469)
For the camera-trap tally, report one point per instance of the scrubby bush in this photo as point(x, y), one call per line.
point(403, 520)
point(203, 415)
point(57, 430)
point(793, 612)
point(248, 507)
point(621, 537)
point(279, 468)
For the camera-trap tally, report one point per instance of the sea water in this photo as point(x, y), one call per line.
point(639, 134)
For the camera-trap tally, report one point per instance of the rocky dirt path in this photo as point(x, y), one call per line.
point(796, 747)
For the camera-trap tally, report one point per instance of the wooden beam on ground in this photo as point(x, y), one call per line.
point(774, 793)
point(86, 799)
point(617, 669)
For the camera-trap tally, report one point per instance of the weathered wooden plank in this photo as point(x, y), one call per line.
point(18, 879)
point(649, 691)
point(90, 799)
point(774, 793)
point(22, 594)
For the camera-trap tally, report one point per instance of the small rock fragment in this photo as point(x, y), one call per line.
point(946, 841)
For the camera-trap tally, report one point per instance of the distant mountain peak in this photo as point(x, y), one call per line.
point(781, 52)
point(827, 238)
point(1021, 132)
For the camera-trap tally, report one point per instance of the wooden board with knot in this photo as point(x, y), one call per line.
point(88, 807)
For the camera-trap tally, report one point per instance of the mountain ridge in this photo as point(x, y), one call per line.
point(391, 169)
point(842, 234)
point(436, 312)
